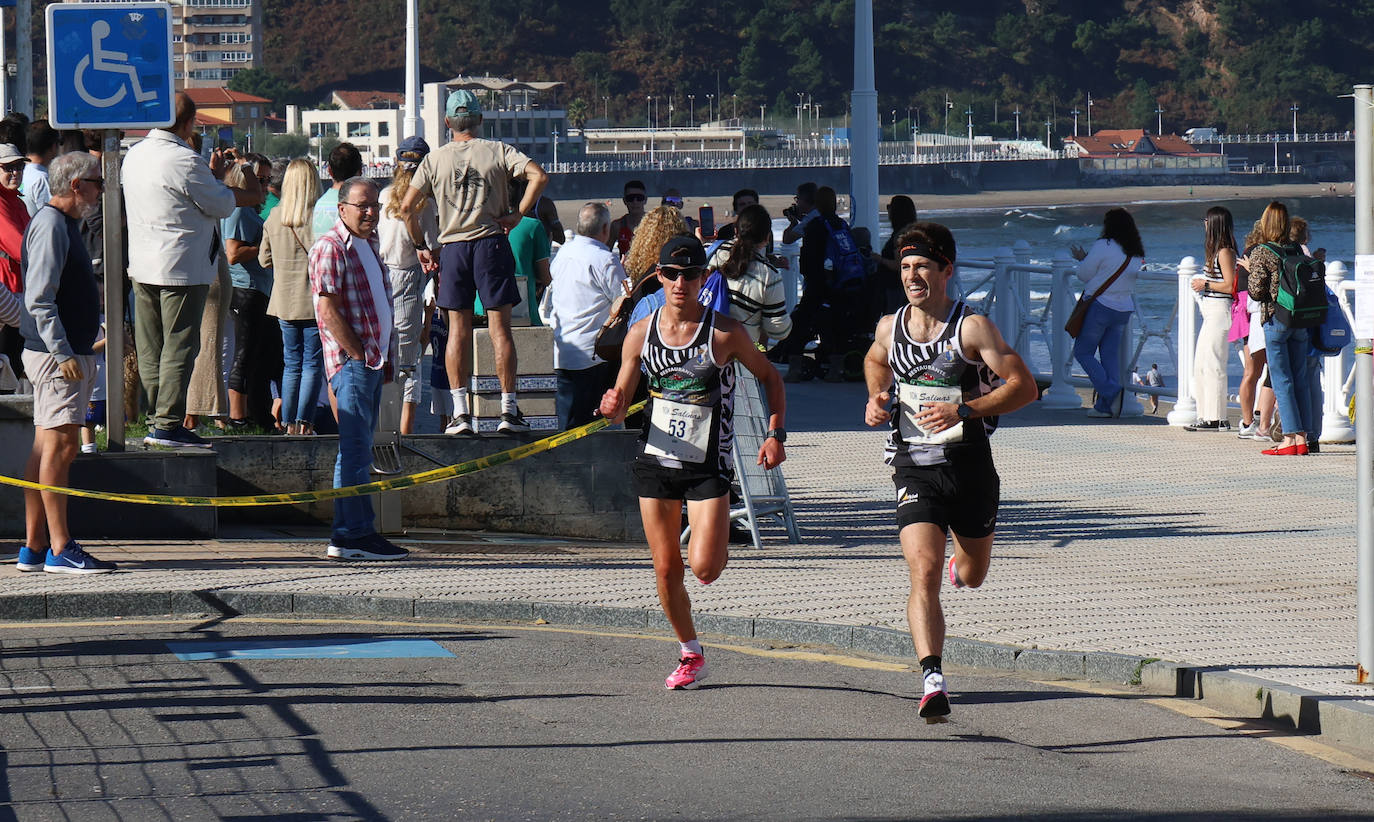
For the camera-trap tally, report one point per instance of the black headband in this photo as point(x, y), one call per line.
point(923, 250)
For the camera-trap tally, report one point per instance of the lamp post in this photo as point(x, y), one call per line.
point(761, 110)
point(1075, 121)
point(606, 109)
point(555, 150)
point(969, 111)
point(894, 125)
point(948, 106)
point(710, 110)
point(691, 110)
point(1047, 135)
point(1018, 122)
point(734, 106)
point(1294, 109)
point(649, 118)
point(1090, 113)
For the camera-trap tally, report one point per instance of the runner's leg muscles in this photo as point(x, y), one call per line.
point(662, 527)
point(971, 558)
point(709, 550)
point(923, 546)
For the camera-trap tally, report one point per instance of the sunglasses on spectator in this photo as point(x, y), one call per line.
point(98, 181)
point(16, 166)
point(671, 274)
point(635, 198)
point(675, 202)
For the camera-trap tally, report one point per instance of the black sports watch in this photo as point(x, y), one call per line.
point(964, 411)
point(779, 434)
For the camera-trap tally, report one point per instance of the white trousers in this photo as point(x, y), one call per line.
point(1209, 359)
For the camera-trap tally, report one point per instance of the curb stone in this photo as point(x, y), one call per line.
point(1336, 720)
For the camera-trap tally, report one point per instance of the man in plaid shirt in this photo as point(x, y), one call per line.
point(353, 309)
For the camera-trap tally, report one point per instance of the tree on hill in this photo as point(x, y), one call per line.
point(264, 83)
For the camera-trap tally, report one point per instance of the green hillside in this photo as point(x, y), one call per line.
point(1238, 64)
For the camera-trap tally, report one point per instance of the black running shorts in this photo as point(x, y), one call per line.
point(657, 482)
point(960, 496)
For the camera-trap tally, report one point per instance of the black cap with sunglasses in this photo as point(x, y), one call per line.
point(682, 255)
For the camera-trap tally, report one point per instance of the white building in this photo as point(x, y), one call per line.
point(372, 121)
point(525, 114)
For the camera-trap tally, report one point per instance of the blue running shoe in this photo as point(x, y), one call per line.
point(75, 560)
point(29, 559)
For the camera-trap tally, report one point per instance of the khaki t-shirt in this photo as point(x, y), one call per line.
point(470, 180)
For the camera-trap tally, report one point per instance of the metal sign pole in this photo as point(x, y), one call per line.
point(113, 226)
point(1364, 380)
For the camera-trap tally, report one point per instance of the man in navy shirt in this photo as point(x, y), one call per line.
point(60, 324)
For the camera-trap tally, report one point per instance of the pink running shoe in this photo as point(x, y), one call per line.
point(691, 670)
point(954, 575)
point(934, 705)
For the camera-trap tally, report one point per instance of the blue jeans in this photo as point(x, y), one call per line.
point(1103, 330)
point(579, 393)
point(1288, 349)
point(302, 370)
point(1315, 399)
point(358, 390)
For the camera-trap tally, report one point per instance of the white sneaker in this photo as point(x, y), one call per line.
point(461, 424)
point(935, 703)
point(1249, 432)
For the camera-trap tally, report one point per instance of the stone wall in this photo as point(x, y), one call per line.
point(581, 489)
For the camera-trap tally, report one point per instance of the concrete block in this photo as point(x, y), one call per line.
point(494, 492)
point(874, 639)
point(1053, 663)
point(539, 427)
point(473, 609)
point(1343, 722)
point(574, 614)
point(1167, 678)
point(350, 605)
point(23, 606)
point(246, 602)
point(524, 383)
point(565, 489)
point(587, 526)
point(975, 654)
point(1108, 667)
point(808, 633)
point(86, 604)
point(533, 351)
point(143, 472)
point(724, 624)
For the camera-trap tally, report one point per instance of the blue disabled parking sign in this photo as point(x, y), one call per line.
point(110, 65)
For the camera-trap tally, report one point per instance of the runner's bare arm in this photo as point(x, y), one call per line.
point(734, 339)
point(878, 374)
point(982, 341)
point(616, 399)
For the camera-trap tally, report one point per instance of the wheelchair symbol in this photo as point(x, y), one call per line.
point(112, 62)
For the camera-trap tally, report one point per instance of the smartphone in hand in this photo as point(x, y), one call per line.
point(706, 215)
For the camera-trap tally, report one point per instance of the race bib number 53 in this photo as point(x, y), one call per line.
point(679, 431)
point(913, 400)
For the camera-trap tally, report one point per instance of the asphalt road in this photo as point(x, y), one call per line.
point(101, 721)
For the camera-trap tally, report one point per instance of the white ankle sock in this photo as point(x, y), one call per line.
point(508, 402)
point(691, 646)
point(460, 401)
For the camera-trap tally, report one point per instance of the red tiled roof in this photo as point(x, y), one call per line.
point(1116, 142)
point(370, 99)
point(221, 97)
point(203, 119)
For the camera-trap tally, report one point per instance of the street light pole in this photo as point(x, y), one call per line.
point(1018, 122)
point(949, 105)
point(1047, 135)
point(1090, 113)
point(969, 112)
point(1159, 119)
point(1294, 109)
point(894, 125)
point(710, 110)
point(1075, 121)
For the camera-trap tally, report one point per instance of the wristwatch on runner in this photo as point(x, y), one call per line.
point(779, 434)
point(964, 411)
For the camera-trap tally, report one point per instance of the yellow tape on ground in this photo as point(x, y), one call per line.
point(394, 484)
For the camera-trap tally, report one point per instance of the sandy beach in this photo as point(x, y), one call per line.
point(775, 203)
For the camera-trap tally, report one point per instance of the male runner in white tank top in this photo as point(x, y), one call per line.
point(954, 375)
point(689, 354)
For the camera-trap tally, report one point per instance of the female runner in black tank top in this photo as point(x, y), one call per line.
point(687, 354)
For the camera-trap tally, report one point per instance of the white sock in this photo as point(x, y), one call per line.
point(88, 448)
point(691, 646)
point(508, 403)
point(460, 401)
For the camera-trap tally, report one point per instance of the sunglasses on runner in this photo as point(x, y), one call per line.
point(671, 274)
point(635, 198)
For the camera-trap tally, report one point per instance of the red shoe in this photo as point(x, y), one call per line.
point(1289, 451)
point(1302, 449)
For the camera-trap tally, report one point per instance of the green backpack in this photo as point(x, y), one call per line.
point(1301, 298)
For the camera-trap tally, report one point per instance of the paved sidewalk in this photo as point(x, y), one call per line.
point(1122, 536)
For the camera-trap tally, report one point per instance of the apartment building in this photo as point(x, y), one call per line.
point(212, 40)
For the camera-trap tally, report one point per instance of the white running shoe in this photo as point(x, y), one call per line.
point(1249, 432)
point(461, 424)
point(935, 704)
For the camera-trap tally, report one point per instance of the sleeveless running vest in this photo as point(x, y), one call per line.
point(688, 423)
point(935, 371)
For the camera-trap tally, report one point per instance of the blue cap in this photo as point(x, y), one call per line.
point(462, 102)
point(412, 150)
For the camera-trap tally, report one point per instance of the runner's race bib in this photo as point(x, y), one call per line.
point(679, 431)
point(913, 399)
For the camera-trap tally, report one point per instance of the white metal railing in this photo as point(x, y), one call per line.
point(1281, 137)
point(698, 160)
point(1033, 323)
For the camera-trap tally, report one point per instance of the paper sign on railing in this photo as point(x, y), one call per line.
point(1364, 296)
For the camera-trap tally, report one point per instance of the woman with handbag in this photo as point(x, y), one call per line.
point(1108, 271)
point(757, 297)
point(286, 241)
point(1216, 291)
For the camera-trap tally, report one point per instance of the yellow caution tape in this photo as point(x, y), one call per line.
point(393, 484)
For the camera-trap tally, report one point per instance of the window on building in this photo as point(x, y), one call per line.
point(356, 130)
point(253, 112)
point(541, 128)
point(507, 128)
point(384, 151)
point(522, 128)
point(384, 130)
point(324, 129)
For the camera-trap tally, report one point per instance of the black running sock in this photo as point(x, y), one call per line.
point(930, 664)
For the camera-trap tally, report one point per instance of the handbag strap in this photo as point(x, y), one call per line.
point(1112, 279)
point(297, 238)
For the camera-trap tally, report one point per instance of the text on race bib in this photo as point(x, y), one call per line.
point(913, 399)
point(679, 431)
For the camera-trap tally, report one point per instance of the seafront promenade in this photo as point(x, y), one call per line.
point(1120, 541)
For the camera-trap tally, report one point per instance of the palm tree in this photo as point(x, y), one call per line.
point(578, 112)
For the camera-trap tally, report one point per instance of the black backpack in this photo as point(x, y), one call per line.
point(1301, 298)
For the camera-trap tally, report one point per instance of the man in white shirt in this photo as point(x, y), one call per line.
point(42, 140)
point(175, 202)
point(587, 287)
